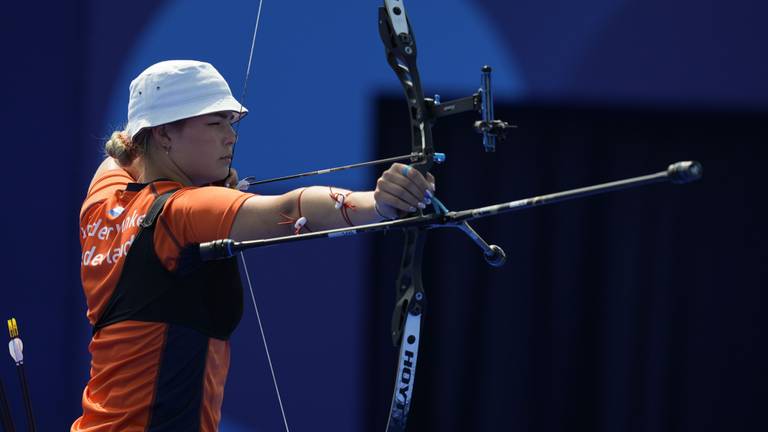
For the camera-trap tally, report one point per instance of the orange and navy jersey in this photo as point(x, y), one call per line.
point(132, 369)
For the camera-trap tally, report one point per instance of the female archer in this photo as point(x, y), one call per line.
point(160, 350)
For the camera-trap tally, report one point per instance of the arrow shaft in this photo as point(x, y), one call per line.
point(410, 157)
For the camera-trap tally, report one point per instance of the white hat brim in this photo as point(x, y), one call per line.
point(161, 117)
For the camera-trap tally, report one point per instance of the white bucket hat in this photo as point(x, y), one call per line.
point(178, 89)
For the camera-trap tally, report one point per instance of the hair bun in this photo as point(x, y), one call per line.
point(120, 147)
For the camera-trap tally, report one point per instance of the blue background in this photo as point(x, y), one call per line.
point(317, 75)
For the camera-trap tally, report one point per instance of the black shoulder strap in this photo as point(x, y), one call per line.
point(208, 298)
point(156, 209)
point(112, 312)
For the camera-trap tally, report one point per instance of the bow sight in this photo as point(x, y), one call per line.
point(482, 102)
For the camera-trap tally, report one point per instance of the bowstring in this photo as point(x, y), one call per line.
point(242, 256)
point(264, 339)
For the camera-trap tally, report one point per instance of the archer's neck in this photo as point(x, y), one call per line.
point(162, 166)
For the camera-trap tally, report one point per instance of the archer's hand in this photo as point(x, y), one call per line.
point(401, 190)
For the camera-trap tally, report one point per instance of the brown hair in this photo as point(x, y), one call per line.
point(124, 149)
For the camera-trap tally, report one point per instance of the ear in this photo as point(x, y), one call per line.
point(161, 137)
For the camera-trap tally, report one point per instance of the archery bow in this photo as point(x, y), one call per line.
point(400, 48)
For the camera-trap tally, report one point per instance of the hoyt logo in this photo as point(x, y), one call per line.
point(407, 372)
point(405, 379)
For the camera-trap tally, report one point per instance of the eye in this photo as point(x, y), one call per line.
point(214, 123)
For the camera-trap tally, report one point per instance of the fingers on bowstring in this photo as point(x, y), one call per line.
point(232, 179)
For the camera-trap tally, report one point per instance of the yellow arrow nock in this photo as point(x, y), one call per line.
point(13, 329)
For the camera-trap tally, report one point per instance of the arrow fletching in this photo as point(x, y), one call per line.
point(15, 346)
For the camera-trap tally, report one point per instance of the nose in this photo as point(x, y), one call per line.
point(231, 135)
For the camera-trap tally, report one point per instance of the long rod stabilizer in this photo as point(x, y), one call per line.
point(678, 173)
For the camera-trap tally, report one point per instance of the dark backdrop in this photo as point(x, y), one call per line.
point(637, 310)
point(641, 310)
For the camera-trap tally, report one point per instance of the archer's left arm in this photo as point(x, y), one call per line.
point(399, 191)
